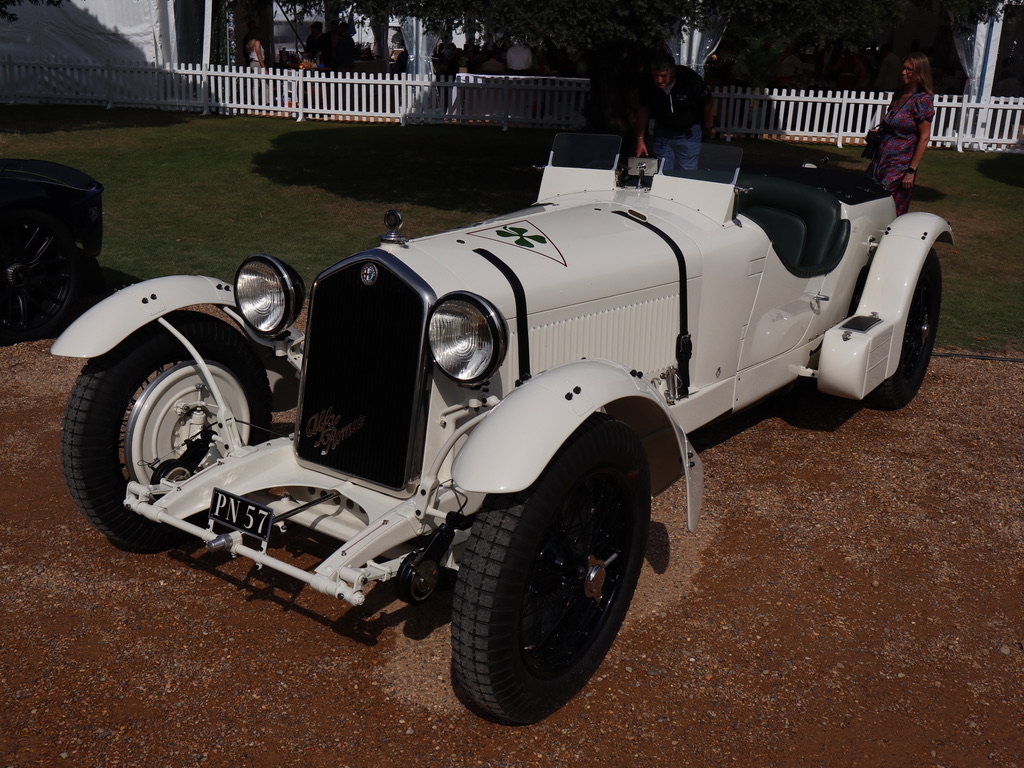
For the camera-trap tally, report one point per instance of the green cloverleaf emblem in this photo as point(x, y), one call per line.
point(522, 239)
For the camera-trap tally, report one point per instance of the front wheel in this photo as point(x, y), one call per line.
point(918, 339)
point(144, 412)
point(548, 575)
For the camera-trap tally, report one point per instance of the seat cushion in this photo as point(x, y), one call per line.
point(786, 230)
point(813, 249)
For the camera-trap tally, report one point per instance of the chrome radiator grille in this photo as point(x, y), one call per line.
point(365, 375)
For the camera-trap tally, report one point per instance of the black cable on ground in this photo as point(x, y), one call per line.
point(979, 357)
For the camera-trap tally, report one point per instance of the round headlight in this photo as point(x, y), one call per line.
point(467, 337)
point(269, 294)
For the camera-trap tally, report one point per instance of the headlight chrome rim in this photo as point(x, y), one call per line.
point(269, 294)
point(468, 338)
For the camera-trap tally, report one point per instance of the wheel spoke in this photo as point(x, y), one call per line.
point(17, 314)
point(565, 638)
point(544, 613)
point(56, 266)
point(916, 335)
point(41, 280)
point(39, 273)
point(546, 577)
point(133, 399)
point(38, 296)
point(559, 619)
point(38, 243)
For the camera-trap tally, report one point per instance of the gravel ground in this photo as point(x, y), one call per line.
point(851, 598)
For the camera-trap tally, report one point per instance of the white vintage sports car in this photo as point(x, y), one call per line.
point(494, 406)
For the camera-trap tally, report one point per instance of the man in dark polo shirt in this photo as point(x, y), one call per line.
point(679, 102)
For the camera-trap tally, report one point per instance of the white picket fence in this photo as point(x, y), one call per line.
point(301, 94)
point(843, 117)
point(838, 117)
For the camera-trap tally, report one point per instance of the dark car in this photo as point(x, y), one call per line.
point(51, 231)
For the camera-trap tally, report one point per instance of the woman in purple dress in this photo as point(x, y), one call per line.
point(906, 128)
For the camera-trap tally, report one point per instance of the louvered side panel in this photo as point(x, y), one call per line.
point(640, 335)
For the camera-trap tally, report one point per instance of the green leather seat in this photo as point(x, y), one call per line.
point(804, 223)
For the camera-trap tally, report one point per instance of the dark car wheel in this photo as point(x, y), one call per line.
point(548, 575)
point(143, 411)
point(918, 339)
point(41, 275)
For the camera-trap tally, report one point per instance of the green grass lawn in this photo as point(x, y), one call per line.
point(194, 194)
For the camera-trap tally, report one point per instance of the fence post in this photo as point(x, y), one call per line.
point(298, 95)
point(984, 123)
point(204, 88)
point(842, 122)
point(961, 116)
point(726, 120)
point(109, 83)
point(506, 97)
point(402, 108)
point(8, 79)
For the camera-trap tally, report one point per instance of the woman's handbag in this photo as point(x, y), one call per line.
point(872, 141)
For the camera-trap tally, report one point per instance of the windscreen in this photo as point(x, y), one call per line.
point(585, 150)
point(717, 162)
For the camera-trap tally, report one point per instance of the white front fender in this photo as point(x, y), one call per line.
point(101, 328)
point(510, 448)
point(895, 269)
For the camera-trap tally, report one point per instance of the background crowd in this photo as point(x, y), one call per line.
point(741, 60)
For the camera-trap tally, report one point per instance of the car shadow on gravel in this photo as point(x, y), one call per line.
point(364, 624)
point(382, 612)
point(802, 406)
point(659, 548)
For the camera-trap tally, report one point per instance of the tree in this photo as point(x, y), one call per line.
point(563, 23)
point(579, 25)
point(6, 15)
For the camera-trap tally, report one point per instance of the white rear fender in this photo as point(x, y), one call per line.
point(112, 320)
point(895, 269)
point(500, 456)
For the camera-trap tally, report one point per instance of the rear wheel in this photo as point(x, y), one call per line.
point(918, 340)
point(41, 275)
point(548, 575)
point(143, 412)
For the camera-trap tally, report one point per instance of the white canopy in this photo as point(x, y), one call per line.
point(153, 31)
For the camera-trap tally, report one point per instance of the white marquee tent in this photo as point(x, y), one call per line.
point(153, 31)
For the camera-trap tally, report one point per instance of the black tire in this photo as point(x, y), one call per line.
point(118, 415)
point(41, 275)
point(526, 637)
point(918, 340)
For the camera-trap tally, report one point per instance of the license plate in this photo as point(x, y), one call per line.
point(241, 514)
